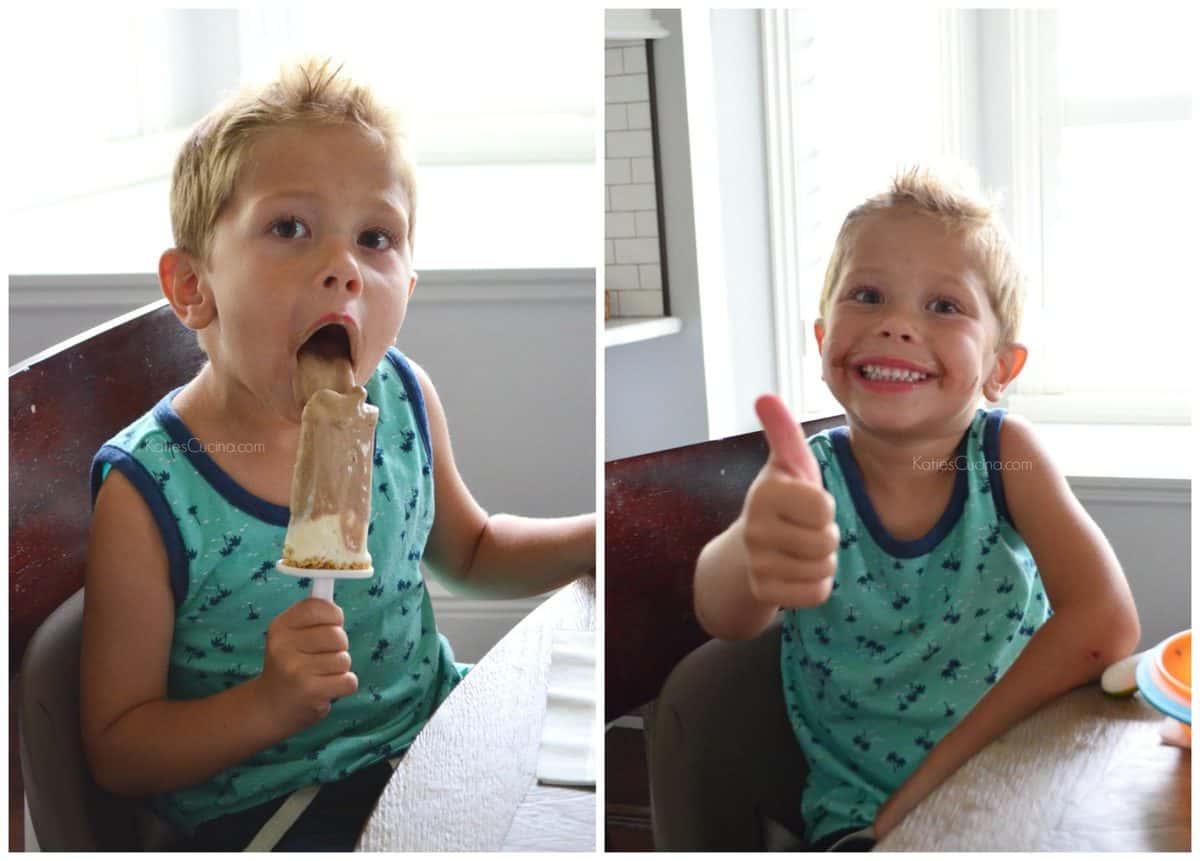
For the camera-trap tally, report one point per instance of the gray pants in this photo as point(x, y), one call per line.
point(724, 761)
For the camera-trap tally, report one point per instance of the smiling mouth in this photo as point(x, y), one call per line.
point(330, 342)
point(887, 374)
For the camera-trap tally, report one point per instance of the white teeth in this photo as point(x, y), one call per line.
point(881, 372)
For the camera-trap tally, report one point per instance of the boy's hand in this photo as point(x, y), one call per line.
point(306, 664)
point(788, 526)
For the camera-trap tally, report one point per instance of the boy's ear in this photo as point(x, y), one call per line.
point(1009, 362)
point(179, 278)
point(819, 331)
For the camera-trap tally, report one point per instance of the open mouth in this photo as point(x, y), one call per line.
point(329, 342)
point(888, 374)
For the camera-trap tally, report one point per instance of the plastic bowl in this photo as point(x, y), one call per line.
point(1173, 660)
point(1164, 678)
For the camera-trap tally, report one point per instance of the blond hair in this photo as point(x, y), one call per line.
point(952, 197)
point(307, 92)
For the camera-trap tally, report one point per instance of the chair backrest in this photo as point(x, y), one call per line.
point(63, 404)
point(660, 509)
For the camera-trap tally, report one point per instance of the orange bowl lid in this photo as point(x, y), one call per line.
point(1174, 663)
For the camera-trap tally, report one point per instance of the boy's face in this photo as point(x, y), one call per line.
point(316, 232)
point(910, 340)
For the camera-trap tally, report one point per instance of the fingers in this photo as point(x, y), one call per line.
point(790, 543)
point(313, 611)
point(789, 450)
point(322, 640)
point(776, 497)
point(789, 595)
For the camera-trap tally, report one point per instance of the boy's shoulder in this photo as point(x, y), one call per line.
point(151, 424)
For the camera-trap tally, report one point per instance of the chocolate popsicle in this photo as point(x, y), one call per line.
point(331, 483)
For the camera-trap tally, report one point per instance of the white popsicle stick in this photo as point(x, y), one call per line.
point(323, 578)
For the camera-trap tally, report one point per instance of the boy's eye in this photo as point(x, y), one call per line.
point(866, 295)
point(377, 240)
point(290, 228)
point(943, 306)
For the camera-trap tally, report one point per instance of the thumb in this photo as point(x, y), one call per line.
point(789, 451)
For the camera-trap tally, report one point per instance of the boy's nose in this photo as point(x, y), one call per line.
point(341, 271)
point(889, 331)
point(352, 284)
point(897, 326)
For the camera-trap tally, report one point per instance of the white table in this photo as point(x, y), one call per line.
point(468, 781)
point(1085, 773)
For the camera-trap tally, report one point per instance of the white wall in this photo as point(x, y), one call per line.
point(738, 91)
point(512, 355)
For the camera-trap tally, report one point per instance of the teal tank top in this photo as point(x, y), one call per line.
point(222, 543)
point(912, 636)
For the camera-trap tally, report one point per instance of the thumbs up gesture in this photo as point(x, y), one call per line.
point(788, 527)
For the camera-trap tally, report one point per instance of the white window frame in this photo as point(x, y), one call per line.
point(1038, 115)
point(1026, 117)
point(794, 184)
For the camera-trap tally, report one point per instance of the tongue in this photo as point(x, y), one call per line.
point(318, 370)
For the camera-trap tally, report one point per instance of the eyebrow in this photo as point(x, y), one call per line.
point(869, 272)
point(382, 201)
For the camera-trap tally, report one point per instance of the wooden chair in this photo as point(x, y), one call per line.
point(660, 509)
point(63, 404)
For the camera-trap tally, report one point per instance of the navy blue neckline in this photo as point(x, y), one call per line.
point(840, 437)
point(222, 482)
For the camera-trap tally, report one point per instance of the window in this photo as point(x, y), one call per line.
point(1081, 119)
point(501, 108)
point(849, 101)
point(1116, 188)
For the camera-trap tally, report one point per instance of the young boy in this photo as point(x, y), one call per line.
point(916, 552)
point(210, 681)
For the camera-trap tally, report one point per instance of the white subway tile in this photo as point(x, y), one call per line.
point(641, 303)
point(614, 303)
point(646, 223)
point(636, 250)
point(650, 277)
point(635, 58)
point(609, 256)
point(616, 118)
point(627, 198)
point(618, 225)
point(643, 170)
point(626, 88)
point(638, 116)
point(621, 278)
point(614, 61)
point(617, 171)
point(627, 144)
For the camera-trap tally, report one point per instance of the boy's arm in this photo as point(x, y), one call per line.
point(782, 549)
point(496, 556)
point(137, 741)
point(1094, 623)
point(724, 604)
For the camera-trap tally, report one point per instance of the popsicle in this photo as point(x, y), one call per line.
point(331, 482)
